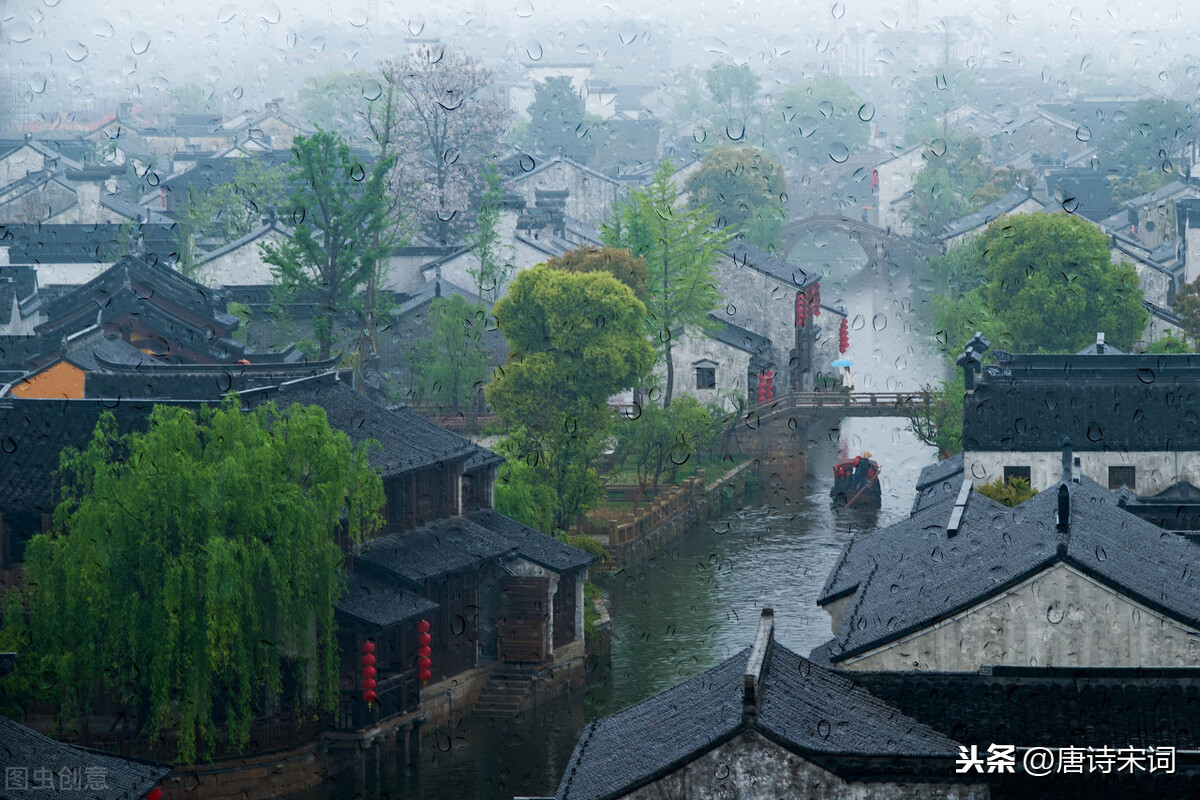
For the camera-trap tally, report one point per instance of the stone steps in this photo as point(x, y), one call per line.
point(506, 694)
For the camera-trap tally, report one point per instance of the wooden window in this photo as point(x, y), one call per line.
point(1122, 476)
point(1017, 472)
point(706, 377)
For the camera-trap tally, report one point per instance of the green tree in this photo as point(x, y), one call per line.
point(819, 119)
point(338, 209)
point(742, 187)
point(660, 440)
point(193, 566)
point(557, 115)
point(574, 340)
point(959, 182)
point(191, 98)
point(1011, 492)
point(734, 88)
point(929, 99)
point(939, 424)
point(1170, 344)
point(230, 210)
point(334, 101)
point(1187, 306)
point(623, 265)
point(1047, 285)
point(494, 258)
point(1156, 135)
point(451, 368)
point(681, 249)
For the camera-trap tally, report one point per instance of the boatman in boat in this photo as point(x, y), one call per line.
point(862, 468)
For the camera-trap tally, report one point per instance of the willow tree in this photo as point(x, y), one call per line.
point(195, 565)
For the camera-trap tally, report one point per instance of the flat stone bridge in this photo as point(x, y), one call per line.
point(776, 432)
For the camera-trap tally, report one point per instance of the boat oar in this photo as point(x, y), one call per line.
point(860, 491)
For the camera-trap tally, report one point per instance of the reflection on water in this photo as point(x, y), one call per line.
point(682, 612)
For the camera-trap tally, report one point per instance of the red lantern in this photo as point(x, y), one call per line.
point(368, 672)
point(424, 638)
point(801, 308)
point(368, 683)
point(423, 663)
point(424, 675)
point(770, 384)
point(370, 697)
point(423, 626)
point(844, 336)
point(368, 660)
point(368, 646)
point(154, 794)
point(762, 388)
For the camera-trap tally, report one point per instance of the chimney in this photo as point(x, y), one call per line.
point(1064, 518)
point(1100, 343)
point(751, 698)
point(1076, 471)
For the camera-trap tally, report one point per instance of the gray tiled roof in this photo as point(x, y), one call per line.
point(407, 440)
point(533, 544)
point(378, 601)
point(805, 708)
point(912, 574)
point(113, 778)
point(985, 215)
point(439, 548)
point(744, 254)
point(939, 472)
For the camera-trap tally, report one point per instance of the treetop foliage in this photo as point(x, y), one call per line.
point(196, 564)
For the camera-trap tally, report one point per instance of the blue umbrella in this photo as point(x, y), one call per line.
point(842, 362)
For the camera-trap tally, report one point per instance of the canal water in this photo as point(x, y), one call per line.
point(698, 602)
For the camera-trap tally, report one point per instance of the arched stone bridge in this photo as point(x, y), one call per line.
point(875, 242)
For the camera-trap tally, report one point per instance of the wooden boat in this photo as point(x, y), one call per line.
point(846, 492)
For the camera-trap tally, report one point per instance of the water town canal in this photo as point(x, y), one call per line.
point(697, 602)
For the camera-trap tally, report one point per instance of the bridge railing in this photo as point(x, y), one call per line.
point(833, 400)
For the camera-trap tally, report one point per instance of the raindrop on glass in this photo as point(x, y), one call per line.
point(524, 9)
point(736, 131)
point(416, 24)
point(76, 51)
point(227, 13)
point(879, 321)
point(838, 10)
point(37, 83)
point(357, 17)
point(269, 13)
point(838, 153)
point(858, 323)
point(140, 43)
point(102, 28)
point(372, 91)
point(20, 32)
point(533, 49)
point(1083, 133)
point(866, 112)
point(526, 162)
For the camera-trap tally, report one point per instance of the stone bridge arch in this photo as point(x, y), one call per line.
point(874, 241)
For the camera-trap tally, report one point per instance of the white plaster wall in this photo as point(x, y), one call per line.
point(19, 164)
point(1155, 470)
point(1156, 285)
point(731, 368)
point(1060, 617)
point(1191, 267)
point(591, 196)
point(243, 266)
point(895, 179)
point(762, 305)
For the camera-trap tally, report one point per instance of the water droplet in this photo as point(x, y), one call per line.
point(51, 3)
point(226, 13)
point(879, 321)
point(939, 81)
point(269, 13)
point(76, 51)
point(1084, 63)
point(140, 43)
point(858, 323)
point(533, 49)
point(526, 163)
point(838, 10)
point(524, 9)
point(102, 28)
point(1076, 14)
point(731, 309)
point(451, 155)
point(823, 728)
point(20, 32)
point(736, 131)
point(938, 147)
point(866, 112)
point(357, 173)
point(416, 24)
point(1070, 205)
point(357, 17)
point(372, 91)
point(445, 216)
point(10, 445)
point(150, 177)
point(128, 65)
point(838, 153)
point(37, 83)
point(699, 134)
point(890, 19)
point(627, 32)
point(237, 93)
